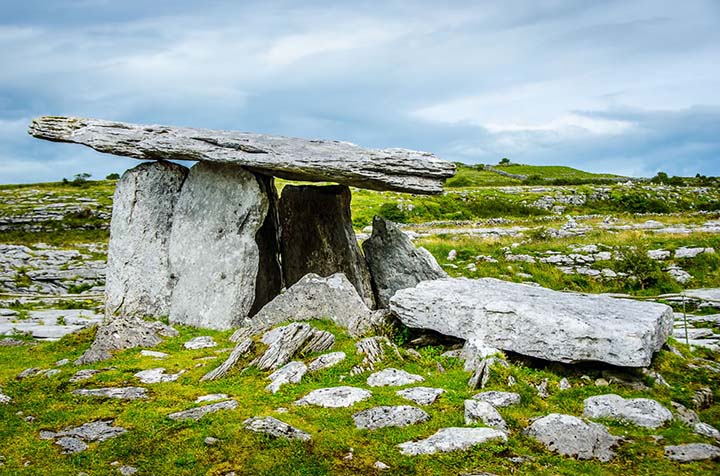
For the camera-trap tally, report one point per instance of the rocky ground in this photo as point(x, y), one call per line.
point(397, 406)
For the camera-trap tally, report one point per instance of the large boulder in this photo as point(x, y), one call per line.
point(395, 263)
point(213, 249)
point(313, 297)
point(640, 411)
point(571, 436)
point(317, 237)
point(537, 322)
point(139, 282)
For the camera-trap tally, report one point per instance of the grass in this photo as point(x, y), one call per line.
point(552, 172)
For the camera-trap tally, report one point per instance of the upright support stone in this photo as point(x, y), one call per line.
point(139, 282)
point(213, 249)
point(317, 237)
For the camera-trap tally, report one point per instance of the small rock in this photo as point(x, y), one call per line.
point(153, 353)
point(292, 372)
point(497, 398)
point(4, 399)
point(706, 430)
point(692, 452)
point(685, 415)
point(542, 389)
point(200, 342)
point(389, 416)
point(62, 362)
point(127, 470)
point(157, 375)
point(601, 382)
point(571, 436)
point(213, 397)
point(326, 361)
point(379, 465)
point(199, 412)
point(564, 384)
point(393, 378)
point(275, 428)
point(452, 255)
point(640, 411)
point(71, 445)
point(119, 393)
point(451, 439)
point(421, 395)
point(511, 381)
point(703, 398)
point(31, 372)
point(476, 411)
point(210, 441)
point(335, 397)
point(84, 374)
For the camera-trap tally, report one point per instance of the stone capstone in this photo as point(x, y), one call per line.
point(451, 439)
point(335, 397)
point(275, 428)
point(401, 170)
point(514, 317)
point(571, 436)
point(393, 378)
point(139, 282)
point(317, 237)
point(640, 411)
point(395, 263)
point(387, 416)
point(421, 395)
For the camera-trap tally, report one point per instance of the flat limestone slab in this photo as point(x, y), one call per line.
point(400, 170)
point(537, 322)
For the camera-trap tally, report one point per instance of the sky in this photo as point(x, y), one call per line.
point(629, 87)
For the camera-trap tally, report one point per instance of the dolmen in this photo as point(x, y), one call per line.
point(213, 245)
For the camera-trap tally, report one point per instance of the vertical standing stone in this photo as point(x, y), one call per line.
point(139, 282)
point(317, 236)
point(213, 250)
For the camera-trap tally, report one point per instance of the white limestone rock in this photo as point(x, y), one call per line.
point(692, 452)
point(326, 361)
point(199, 412)
point(275, 428)
point(389, 416)
point(640, 411)
point(212, 397)
point(157, 375)
point(393, 378)
point(497, 398)
point(139, 281)
point(335, 397)
point(200, 342)
point(514, 317)
point(118, 393)
point(571, 436)
point(476, 411)
point(451, 439)
point(421, 395)
point(292, 372)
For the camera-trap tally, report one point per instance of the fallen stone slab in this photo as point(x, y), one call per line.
point(393, 378)
point(292, 372)
point(118, 393)
point(335, 397)
point(394, 262)
point(241, 349)
point(157, 375)
point(400, 170)
point(74, 440)
point(451, 439)
point(477, 411)
point(287, 341)
point(514, 317)
point(200, 342)
point(313, 297)
point(317, 236)
point(326, 361)
point(692, 452)
point(139, 282)
point(275, 428)
point(497, 398)
point(571, 436)
point(421, 395)
point(389, 416)
point(199, 412)
point(640, 411)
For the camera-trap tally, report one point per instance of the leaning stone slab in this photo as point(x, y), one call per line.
point(394, 262)
point(571, 436)
point(692, 452)
point(288, 341)
point(313, 297)
point(497, 398)
point(317, 237)
point(275, 428)
point(73, 440)
point(213, 249)
point(118, 393)
point(421, 395)
point(335, 397)
point(393, 378)
point(139, 282)
point(451, 439)
point(199, 412)
point(387, 416)
point(640, 411)
point(401, 170)
point(538, 322)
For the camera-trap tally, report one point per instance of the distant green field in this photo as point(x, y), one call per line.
point(552, 172)
point(472, 176)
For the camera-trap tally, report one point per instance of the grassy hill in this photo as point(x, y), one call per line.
point(521, 174)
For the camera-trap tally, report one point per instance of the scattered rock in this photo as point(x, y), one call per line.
point(71, 445)
point(4, 399)
point(387, 416)
point(200, 342)
point(497, 398)
point(703, 398)
point(513, 317)
point(685, 252)
point(241, 349)
point(326, 361)
point(571, 436)
point(73, 440)
point(564, 384)
point(476, 411)
point(275, 428)
point(294, 339)
point(373, 349)
point(199, 412)
point(640, 411)
point(292, 372)
point(335, 397)
point(62, 362)
point(542, 389)
point(380, 466)
point(27, 373)
point(127, 470)
point(395, 263)
point(393, 378)
point(84, 374)
point(451, 439)
point(421, 395)
point(692, 452)
point(706, 430)
point(211, 440)
point(118, 393)
point(152, 353)
point(157, 375)
point(213, 397)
